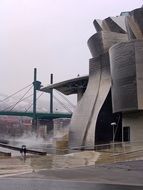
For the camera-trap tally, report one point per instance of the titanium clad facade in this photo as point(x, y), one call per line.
point(115, 85)
point(100, 42)
point(127, 79)
point(111, 24)
point(134, 120)
point(79, 125)
point(139, 71)
point(103, 89)
point(84, 119)
point(134, 24)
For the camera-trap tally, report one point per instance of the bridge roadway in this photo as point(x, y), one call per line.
point(39, 115)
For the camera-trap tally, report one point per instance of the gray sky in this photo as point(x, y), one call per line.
point(50, 35)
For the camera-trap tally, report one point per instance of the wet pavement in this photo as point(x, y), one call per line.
point(127, 173)
point(42, 184)
point(72, 170)
point(17, 164)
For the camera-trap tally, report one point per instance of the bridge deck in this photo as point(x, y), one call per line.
point(38, 114)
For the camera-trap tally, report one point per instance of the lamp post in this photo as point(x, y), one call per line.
point(113, 126)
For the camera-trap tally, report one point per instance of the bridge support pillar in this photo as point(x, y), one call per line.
point(36, 86)
point(34, 121)
point(51, 95)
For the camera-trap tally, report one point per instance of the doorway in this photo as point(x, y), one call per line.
point(126, 134)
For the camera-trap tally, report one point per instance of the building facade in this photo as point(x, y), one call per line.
point(114, 91)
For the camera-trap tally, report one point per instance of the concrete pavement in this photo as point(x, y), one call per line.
point(129, 173)
point(44, 184)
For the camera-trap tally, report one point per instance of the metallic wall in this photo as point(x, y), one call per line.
point(100, 42)
point(134, 24)
point(134, 120)
point(111, 24)
point(127, 76)
point(81, 117)
point(84, 119)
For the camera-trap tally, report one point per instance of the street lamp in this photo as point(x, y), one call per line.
point(113, 126)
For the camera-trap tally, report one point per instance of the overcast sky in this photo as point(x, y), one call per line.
point(50, 35)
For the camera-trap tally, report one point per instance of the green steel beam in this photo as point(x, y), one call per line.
point(39, 115)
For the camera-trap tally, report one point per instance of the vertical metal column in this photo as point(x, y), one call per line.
point(34, 122)
point(51, 95)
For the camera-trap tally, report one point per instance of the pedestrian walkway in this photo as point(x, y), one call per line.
point(128, 173)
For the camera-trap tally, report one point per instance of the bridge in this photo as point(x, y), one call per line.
point(39, 115)
point(11, 110)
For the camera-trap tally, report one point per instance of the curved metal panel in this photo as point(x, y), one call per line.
point(115, 24)
point(134, 24)
point(103, 90)
point(138, 44)
point(84, 118)
point(83, 111)
point(126, 71)
point(83, 122)
point(111, 24)
point(100, 42)
point(98, 25)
